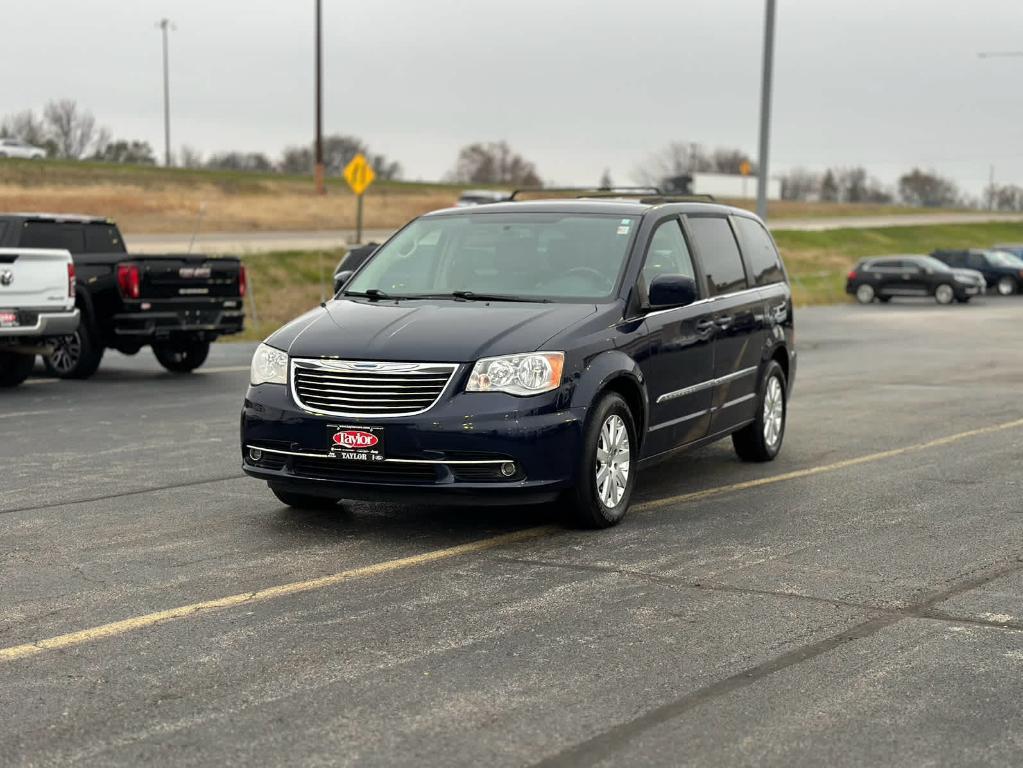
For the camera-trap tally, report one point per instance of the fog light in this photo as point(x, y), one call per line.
point(508, 468)
point(255, 454)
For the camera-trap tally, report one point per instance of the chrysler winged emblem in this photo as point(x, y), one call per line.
point(6, 277)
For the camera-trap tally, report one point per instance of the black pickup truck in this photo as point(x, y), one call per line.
point(176, 303)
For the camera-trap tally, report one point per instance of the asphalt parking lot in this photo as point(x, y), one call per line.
point(858, 601)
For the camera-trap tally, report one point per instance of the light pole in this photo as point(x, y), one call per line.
point(318, 169)
point(765, 109)
point(164, 25)
point(991, 175)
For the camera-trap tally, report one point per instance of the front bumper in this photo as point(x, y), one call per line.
point(44, 324)
point(452, 453)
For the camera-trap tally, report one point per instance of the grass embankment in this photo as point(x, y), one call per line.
point(287, 284)
point(153, 199)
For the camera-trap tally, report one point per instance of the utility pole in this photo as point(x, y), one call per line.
point(318, 169)
point(991, 174)
point(164, 25)
point(765, 109)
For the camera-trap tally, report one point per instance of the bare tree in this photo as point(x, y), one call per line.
point(73, 130)
point(240, 161)
point(928, 189)
point(606, 182)
point(678, 159)
point(297, 160)
point(494, 163)
point(190, 157)
point(136, 152)
point(727, 160)
point(25, 126)
point(800, 184)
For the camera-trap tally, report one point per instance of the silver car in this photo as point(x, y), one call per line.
point(21, 149)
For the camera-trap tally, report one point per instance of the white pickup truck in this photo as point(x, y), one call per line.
point(37, 304)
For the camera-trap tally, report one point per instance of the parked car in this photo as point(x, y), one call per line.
point(351, 261)
point(471, 197)
point(882, 278)
point(20, 149)
point(1002, 270)
point(37, 304)
point(177, 304)
point(527, 351)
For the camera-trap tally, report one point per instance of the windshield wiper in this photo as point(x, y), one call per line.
point(473, 296)
point(373, 294)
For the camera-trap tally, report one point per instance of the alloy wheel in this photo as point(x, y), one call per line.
point(613, 461)
point(944, 294)
point(865, 294)
point(774, 412)
point(67, 351)
point(1006, 286)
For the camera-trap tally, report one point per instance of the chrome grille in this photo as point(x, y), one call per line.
point(368, 389)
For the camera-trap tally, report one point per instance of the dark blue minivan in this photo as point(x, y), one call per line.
point(528, 352)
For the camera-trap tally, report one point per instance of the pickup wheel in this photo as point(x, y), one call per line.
point(181, 356)
point(302, 501)
point(76, 356)
point(15, 367)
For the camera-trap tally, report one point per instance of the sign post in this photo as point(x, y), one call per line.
point(359, 174)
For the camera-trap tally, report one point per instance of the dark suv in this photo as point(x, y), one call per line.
point(885, 277)
point(1003, 270)
point(518, 352)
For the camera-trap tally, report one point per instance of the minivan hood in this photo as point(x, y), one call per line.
point(425, 330)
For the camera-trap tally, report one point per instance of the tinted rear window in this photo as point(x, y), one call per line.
point(760, 250)
point(52, 234)
point(103, 238)
point(719, 254)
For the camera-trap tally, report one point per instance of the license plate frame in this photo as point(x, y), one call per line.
point(9, 318)
point(355, 443)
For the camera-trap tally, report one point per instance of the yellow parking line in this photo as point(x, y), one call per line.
point(149, 619)
point(795, 475)
point(139, 622)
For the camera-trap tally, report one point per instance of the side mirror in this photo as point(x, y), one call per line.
point(671, 291)
point(342, 277)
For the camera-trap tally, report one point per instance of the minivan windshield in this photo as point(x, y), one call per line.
point(495, 256)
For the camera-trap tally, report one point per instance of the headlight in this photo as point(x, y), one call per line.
point(269, 366)
point(528, 374)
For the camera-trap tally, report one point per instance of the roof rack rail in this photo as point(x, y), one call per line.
point(591, 191)
point(661, 197)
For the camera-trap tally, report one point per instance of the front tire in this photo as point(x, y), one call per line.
point(76, 356)
point(181, 356)
point(1006, 286)
point(303, 501)
point(606, 473)
point(15, 367)
point(865, 294)
point(761, 440)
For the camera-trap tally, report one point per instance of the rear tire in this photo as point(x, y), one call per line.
point(761, 440)
point(76, 356)
point(15, 367)
point(303, 501)
point(865, 294)
point(1006, 286)
point(181, 356)
point(606, 473)
point(944, 294)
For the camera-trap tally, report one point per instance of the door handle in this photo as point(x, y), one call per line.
point(724, 321)
point(703, 326)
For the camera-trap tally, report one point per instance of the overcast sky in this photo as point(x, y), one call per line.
point(574, 85)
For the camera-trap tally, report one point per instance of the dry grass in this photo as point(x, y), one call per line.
point(149, 199)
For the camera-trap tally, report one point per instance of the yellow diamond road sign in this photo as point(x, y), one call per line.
point(359, 174)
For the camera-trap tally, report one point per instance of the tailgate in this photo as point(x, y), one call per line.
point(173, 277)
point(34, 278)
